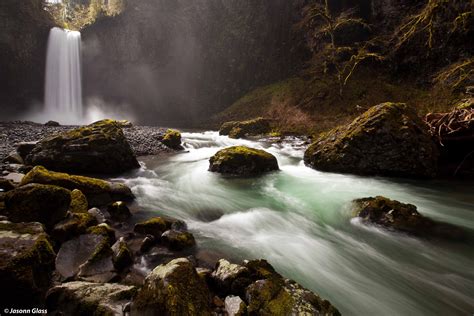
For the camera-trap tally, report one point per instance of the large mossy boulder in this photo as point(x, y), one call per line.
point(26, 263)
point(173, 289)
point(387, 140)
point(98, 192)
point(47, 204)
point(97, 148)
point(239, 129)
point(73, 225)
point(405, 218)
point(172, 139)
point(242, 161)
point(85, 298)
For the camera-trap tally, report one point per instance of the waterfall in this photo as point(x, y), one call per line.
point(63, 88)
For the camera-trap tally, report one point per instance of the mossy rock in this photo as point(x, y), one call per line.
point(178, 240)
point(173, 289)
point(79, 203)
point(26, 263)
point(47, 204)
point(254, 127)
point(242, 161)
point(74, 225)
point(98, 192)
point(230, 278)
point(85, 298)
point(387, 140)
point(155, 226)
point(97, 148)
point(405, 218)
point(103, 230)
point(172, 139)
point(119, 211)
point(123, 257)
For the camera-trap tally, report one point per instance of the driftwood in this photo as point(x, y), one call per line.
point(457, 125)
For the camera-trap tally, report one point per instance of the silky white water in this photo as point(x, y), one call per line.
point(300, 220)
point(63, 87)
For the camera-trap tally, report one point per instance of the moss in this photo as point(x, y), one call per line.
point(79, 202)
point(154, 226)
point(103, 230)
point(75, 225)
point(253, 127)
point(178, 240)
point(172, 139)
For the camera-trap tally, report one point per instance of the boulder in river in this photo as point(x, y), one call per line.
point(239, 129)
point(52, 124)
point(97, 148)
point(230, 278)
point(119, 211)
point(122, 255)
point(98, 192)
point(242, 161)
point(404, 218)
point(173, 289)
point(47, 204)
point(172, 139)
point(26, 263)
point(178, 240)
point(156, 226)
point(388, 140)
point(85, 298)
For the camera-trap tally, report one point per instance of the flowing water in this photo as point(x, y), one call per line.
point(300, 220)
point(63, 88)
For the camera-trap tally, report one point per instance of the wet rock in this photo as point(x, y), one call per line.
point(6, 185)
point(98, 215)
point(119, 211)
point(52, 123)
point(97, 148)
point(122, 255)
point(388, 140)
point(74, 225)
point(235, 306)
point(79, 203)
point(172, 139)
point(155, 227)
point(230, 278)
point(178, 240)
point(242, 161)
point(103, 230)
point(97, 191)
point(26, 263)
point(85, 298)
point(46, 204)
point(236, 129)
point(147, 243)
point(260, 269)
point(173, 289)
point(403, 217)
point(25, 148)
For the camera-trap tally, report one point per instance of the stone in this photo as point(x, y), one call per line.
point(25, 148)
point(147, 243)
point(103, 230)
point(26, 263)
point(6, 185)
point(122, 255)
point(85, 298)
point(119, 211)
point(125, 124)
point(74, 225)
point(79, 203)
point(242, 161)
point(97, 148)
point(173, 289)
point(98, 192)
point(254, 127)
point(172, 139)
point(235, 306)
point(155, 227)
point(14, 158)
point(178, 240)
point(47, 204)
point(404, 218)
point(230, 278)
point(98, 215)
point(52, 124)
point(387, 140)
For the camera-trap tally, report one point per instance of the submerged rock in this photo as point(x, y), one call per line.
point(97, 148)
point(47, 204)
point(389, 140)
point(254, 127)
point(26, 263)
point(403, 217)
point(242, 161)
point(172, 139)
point(173, 289)
point(97, 191)
point(84, 298)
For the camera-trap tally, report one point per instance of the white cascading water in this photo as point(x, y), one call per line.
point(63, 89)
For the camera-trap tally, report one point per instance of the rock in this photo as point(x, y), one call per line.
point(147, 243)
point(103, 230)
point(6, 185)
point(119, 211)
point(155, 227)
point(25, 148)
point(173, 289)
point(235, 306)
point(97, 148)
point(52, 124)
point(388, 140)
point(84, 298)
point(74, 225)
point(403, 217)
point(79, 202)
point(122, 255)
point(97, 191)
point(14, 158)
point(259, 269)
point(98, 215)
point(257, 126)
point(178, 240)
point(125, 124)
point(47, 204)
point(242, 161)
point(278, 296)
point(172, 139)
point(26, 263)
point(230, 278)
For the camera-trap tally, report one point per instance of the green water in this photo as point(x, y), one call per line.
point(299, 219)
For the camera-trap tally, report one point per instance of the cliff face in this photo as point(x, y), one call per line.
point(181, 60)
point(24, 29)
